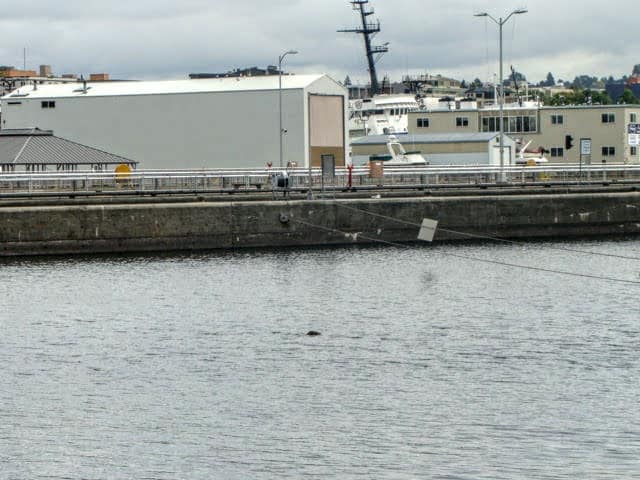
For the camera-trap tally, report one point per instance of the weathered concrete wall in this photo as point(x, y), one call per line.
point(33, 230)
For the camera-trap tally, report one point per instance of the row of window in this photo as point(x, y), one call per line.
point(520, 124)
point(380, 111)
point(399, 111)
point(606, 118)
point(606, 151)
point(460, 122)
point(515, 124)
point(48, 104)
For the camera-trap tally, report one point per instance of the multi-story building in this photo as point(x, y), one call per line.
point(557, 129)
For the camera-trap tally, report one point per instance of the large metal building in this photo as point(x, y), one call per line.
point(208, 123)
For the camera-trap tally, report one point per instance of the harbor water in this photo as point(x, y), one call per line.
point(430, 364)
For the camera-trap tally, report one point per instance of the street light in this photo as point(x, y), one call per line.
point(500, 22)
point(280, 59)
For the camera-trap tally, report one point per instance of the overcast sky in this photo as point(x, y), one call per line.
point(162, 39)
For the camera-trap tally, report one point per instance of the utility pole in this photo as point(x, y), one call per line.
point(281, 130)
point(500, 22)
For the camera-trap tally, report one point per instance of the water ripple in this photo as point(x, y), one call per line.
point(199, 366)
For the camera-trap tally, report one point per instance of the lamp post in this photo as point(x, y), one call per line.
point(280, 59)
point(500, 22)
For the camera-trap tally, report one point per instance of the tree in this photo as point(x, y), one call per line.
point(628, 97)
point(515, 76)
point(463, 84)
point(477, 83)
point(579, 97)
point(602, 98)
point(584, 81)
point(550, 81)
point(347, 81)
point(636, 70)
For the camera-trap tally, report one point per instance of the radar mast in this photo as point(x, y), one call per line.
point(368, 30)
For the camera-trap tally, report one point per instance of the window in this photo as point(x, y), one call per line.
point(608, 151)
point(462, 121)
point(512, 124)
point(633, 118)
point(423, 123)
point(48, 104)
point(557, 119)
point(608, 118)
point(557, 152)
point(634, 151)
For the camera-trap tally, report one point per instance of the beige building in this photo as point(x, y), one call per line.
point(552, 128)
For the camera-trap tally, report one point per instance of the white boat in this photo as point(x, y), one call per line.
point(531, 157)
point(388, 114)
point(398, 155)
point(381, 114)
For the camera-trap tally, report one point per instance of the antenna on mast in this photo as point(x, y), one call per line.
point(369, 30)
point(515, 85)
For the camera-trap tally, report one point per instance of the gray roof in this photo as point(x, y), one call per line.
point(424, 138)
point(41, 147)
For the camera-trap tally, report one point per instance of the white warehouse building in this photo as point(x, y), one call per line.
point(204, 123)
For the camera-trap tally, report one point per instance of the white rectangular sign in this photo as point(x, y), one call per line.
point(585, 146)
point(428, 230)
point(634, 139)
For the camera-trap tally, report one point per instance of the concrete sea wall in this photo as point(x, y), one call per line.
point(33, 229)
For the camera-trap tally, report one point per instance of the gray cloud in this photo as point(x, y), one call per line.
point(170, 38)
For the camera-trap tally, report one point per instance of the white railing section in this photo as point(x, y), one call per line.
point(247, 180)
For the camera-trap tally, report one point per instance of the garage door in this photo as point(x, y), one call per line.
point(326, 128)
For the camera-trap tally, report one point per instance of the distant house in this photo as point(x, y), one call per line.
point(239, 72)
point(34, 150)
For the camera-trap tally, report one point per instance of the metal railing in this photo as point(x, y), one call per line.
point(301, 179)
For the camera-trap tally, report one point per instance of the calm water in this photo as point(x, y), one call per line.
point(428, 366)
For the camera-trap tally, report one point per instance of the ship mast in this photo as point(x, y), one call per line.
point(368, 30)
